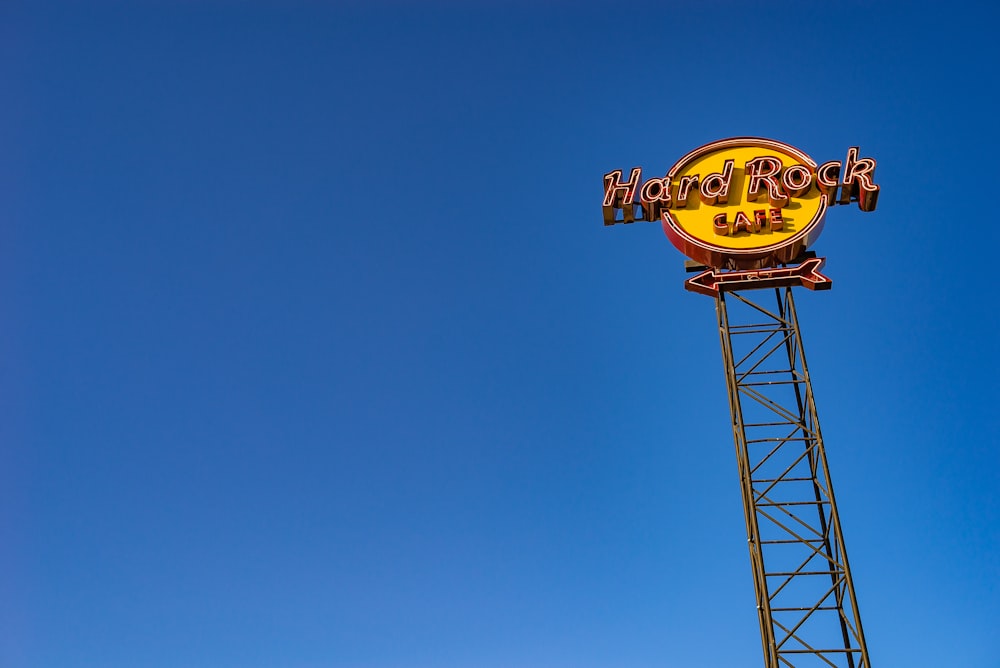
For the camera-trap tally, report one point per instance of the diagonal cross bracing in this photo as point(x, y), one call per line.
point(805, 597)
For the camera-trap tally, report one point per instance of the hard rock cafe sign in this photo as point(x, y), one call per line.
point(744, 207)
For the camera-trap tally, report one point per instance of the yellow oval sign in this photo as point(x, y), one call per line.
point(744, 203)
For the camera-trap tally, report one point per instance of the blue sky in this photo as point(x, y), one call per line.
point(316, 352)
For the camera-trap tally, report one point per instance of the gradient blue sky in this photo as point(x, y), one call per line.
point(315, 352)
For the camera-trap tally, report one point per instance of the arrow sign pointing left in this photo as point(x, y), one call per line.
point(712, 282)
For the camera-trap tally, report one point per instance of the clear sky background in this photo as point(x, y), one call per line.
point(315, 351)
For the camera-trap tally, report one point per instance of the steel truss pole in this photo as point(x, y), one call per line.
point(805, 596)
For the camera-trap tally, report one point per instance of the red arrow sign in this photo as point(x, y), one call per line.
point(712, 282)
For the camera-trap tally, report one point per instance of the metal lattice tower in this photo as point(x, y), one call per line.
point(805, 597)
